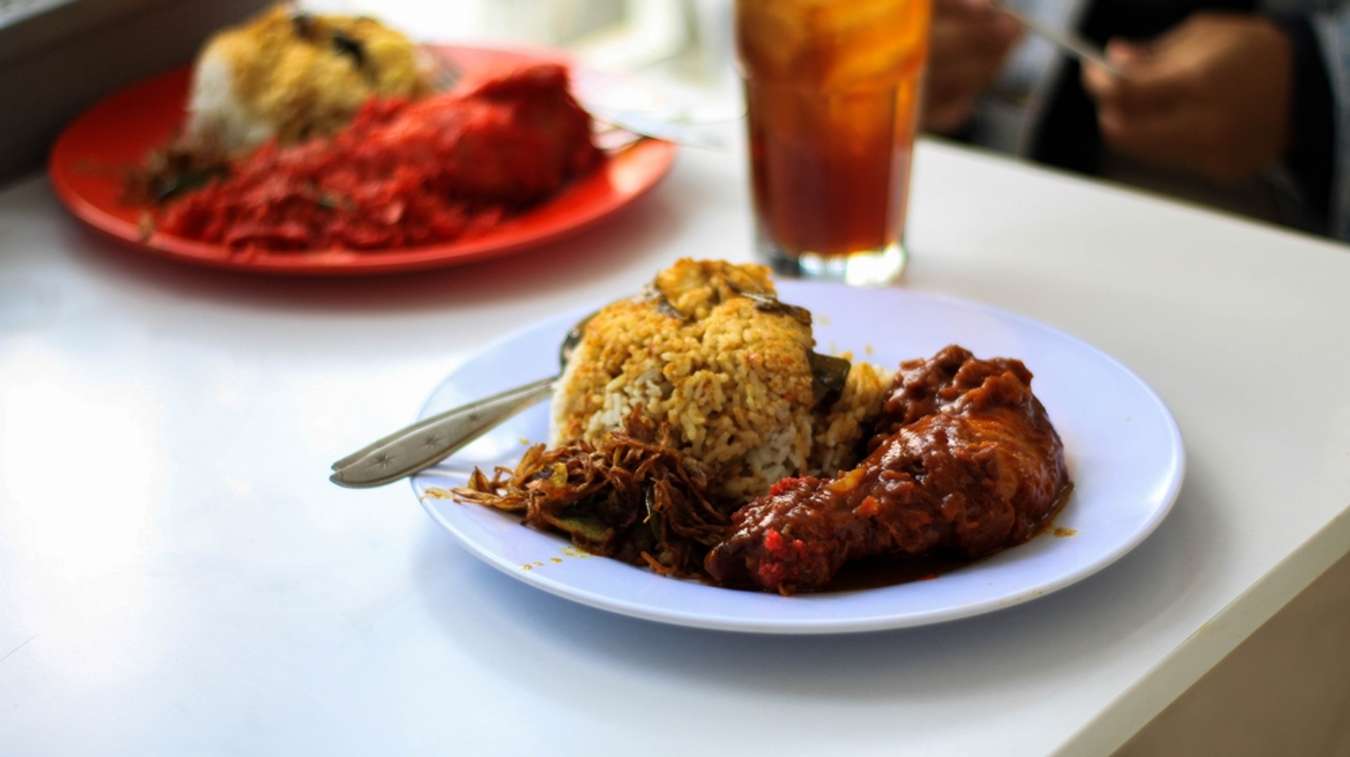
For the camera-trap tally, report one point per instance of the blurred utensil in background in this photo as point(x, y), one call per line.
point(1072, 43)
point(618, 128)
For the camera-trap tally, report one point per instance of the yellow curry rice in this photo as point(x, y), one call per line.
point(706, 352)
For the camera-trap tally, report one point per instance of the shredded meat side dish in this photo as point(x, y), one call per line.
point(631, 497)
point(966, 461)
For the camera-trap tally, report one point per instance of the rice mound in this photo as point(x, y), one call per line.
point(839, 430)
point(706, 351)
point(276, 76)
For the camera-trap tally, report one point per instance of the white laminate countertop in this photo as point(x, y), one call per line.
point(177, 575)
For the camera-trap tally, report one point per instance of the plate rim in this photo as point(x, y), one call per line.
point(338, 262)
point(823, 626)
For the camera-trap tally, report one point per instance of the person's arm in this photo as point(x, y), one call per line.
point(969, 43)
point(1210, 97)
point(1226, 96)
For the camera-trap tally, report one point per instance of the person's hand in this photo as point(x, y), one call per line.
point(1210, 97)
point(967, 47)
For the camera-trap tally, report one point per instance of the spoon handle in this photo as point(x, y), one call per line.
point(430, 440)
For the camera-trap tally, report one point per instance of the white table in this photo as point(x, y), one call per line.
point(177, 576)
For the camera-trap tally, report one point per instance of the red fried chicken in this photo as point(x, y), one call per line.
point(513, 138)
point(402, 173)
point(965, 461)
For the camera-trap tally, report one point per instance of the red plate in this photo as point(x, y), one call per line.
point(89, 161)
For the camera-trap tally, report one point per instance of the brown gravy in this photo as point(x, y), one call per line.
point(876, 572)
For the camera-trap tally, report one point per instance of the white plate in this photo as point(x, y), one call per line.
point(1123, 447)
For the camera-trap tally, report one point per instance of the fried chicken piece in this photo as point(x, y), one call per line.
point(514, 138)
point(925, 386)
point(967, 462)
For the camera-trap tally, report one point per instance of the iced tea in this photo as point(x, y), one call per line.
point(832, 92)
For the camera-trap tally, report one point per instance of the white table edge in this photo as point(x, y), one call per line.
point(1135, 708)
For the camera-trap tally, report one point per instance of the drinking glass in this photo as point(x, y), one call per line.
point(832, 91)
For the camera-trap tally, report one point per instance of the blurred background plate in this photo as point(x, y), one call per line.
point(91, 158)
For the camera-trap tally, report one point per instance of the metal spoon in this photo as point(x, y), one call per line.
point(430, 440)
point(427, 442)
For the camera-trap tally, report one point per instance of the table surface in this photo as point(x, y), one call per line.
point(177, 576)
